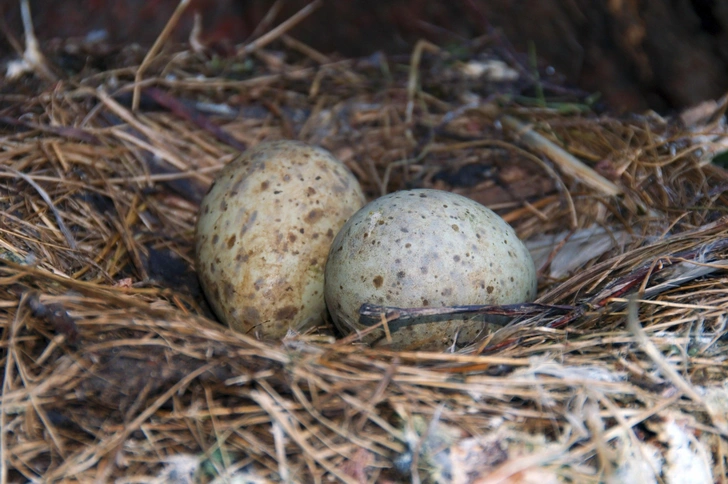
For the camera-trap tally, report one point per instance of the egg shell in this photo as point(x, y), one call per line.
point(264, 233)
point(421, 248)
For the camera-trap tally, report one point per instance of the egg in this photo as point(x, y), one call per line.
point(264, 232)
point(425, 248)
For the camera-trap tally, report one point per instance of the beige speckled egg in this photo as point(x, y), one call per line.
point(420, 248)
point(264, 232)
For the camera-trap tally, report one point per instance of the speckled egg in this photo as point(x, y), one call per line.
point(264, 233)
point(421, 248)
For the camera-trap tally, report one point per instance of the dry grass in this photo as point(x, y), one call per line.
point(114, 371)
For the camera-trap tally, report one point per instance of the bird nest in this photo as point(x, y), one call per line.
point(115, 370)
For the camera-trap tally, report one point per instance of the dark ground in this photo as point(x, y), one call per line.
point(638, 53)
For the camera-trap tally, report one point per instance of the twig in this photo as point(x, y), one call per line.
point(195, 38)
point(370, 314)
point(304, 49)
point(414, 71)
point(284, 27)
point(279, 441)
point(267, 19)
point(566, 161)
point(33, 55)
point(11, 334)
point(171, 23)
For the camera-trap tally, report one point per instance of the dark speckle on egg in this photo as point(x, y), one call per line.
point(250, 315)
point(314, 216)
point(286, 312)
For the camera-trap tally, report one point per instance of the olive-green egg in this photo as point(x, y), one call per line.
point(264, 232)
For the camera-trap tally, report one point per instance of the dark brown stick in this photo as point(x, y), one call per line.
point(370, 314)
